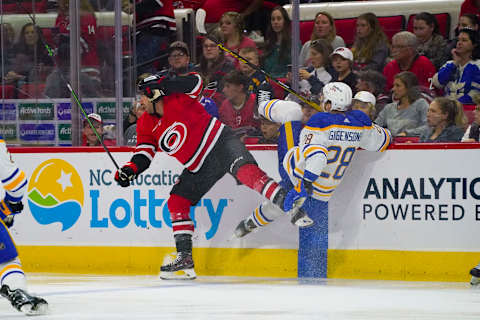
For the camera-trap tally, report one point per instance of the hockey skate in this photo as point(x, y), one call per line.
point(244, 227)
point(180, 268)
point(300, 218)
point(475, 273)
point(24, 302)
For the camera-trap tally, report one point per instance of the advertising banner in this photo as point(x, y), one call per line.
point(73, 200)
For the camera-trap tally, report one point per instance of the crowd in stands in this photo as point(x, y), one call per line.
point(421, 81)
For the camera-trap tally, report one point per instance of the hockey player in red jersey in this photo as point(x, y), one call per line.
point(177, 124)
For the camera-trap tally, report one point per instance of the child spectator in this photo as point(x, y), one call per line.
point(231, 29)
point(460, 77)
point(256, 77)
point(324, 28)
point(315, 77)
point(374, 82)
point(441, 120)
point(89, 138)
point(237, 110)
point(342, 62)
point(406, 58)
point(408, 113)
point(278, 43)
point(365, 102)
point(431, 43)
point(370, 49)
point(213, 67)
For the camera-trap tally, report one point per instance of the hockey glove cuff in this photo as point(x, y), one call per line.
point(8, 208)
point(125, 174)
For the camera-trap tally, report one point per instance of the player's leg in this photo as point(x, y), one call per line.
point(189, 189)
point(267, 212)
point(12, 278)
point(475, 273)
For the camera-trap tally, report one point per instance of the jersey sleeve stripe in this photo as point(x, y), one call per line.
point(19, 179)
point(314, 153)
point(289, 135)
point(11, 176)
point(268, 109)
point(387, 140)
point(145, 153)
point(314, 149)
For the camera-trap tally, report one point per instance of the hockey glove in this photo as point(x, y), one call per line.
point(295, 197)
point(125, 174)
point(9, 208)
point(152, 87)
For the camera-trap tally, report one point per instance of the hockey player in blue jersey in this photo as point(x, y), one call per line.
point(315, 160)
point(12, 277)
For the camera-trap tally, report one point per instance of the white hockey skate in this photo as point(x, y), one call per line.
point(300, 218)
point(178, 266)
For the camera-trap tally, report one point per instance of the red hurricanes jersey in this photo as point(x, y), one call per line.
point(185, 131)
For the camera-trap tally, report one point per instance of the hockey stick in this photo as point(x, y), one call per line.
point(251, 65)
point(75, 96)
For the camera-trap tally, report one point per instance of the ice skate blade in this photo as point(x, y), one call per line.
point(474, 281)
point(186, 274)
point(40, 309)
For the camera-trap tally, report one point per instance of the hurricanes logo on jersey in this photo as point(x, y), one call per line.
point(173, 138)
point(55, 193)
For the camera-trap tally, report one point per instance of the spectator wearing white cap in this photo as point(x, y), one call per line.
point(342, 62)
point(364, 101)
point(89, 138)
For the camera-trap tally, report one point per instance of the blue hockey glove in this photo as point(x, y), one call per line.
point(295, 197)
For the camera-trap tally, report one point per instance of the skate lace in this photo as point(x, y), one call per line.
point(263, 95)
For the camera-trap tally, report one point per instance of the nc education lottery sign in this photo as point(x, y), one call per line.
point(408, 200)
point(72, 199)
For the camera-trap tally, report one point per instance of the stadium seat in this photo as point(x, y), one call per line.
point(21, 7)
point(31, 91)
point(346, 28)
point(306, 28)
point(7, 91)
point(392, 25)
point(469, 111)
point(443, 20)
point(278, 92)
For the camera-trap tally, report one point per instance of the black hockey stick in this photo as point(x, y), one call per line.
point(251, 65)
point(75, 96)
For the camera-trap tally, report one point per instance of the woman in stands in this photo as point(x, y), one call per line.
point(278, 43)
point(213, 67)
point(442, 120)
point(406, 115)
point(431, 43)
point(460, 77)
point(324, 28)
point(370, 49)
point(32, 62)
point(231, 29)
point(316, 76)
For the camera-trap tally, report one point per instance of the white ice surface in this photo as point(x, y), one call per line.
point(147, 297)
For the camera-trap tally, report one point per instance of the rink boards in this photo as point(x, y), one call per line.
point(406, 214)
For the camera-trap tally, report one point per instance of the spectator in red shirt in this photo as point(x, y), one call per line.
point(88, 41)
point(237, 110)
point(406, 58)
point(215, 8)
point(470, 6)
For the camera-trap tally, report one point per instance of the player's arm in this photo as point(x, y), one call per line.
point(14, 181)
point(375, 138)
point(142, 157)
point(314, 152)
point(190, 84)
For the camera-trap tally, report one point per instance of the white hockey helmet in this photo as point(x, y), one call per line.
point(338, 94)
point(280, 111)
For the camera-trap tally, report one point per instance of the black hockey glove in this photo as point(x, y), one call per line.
point(308, 187)
point(125, 174)
point(152, 87)
point(8, 209)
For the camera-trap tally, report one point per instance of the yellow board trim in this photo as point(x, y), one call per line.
point(281, 263)
point(401, 265)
